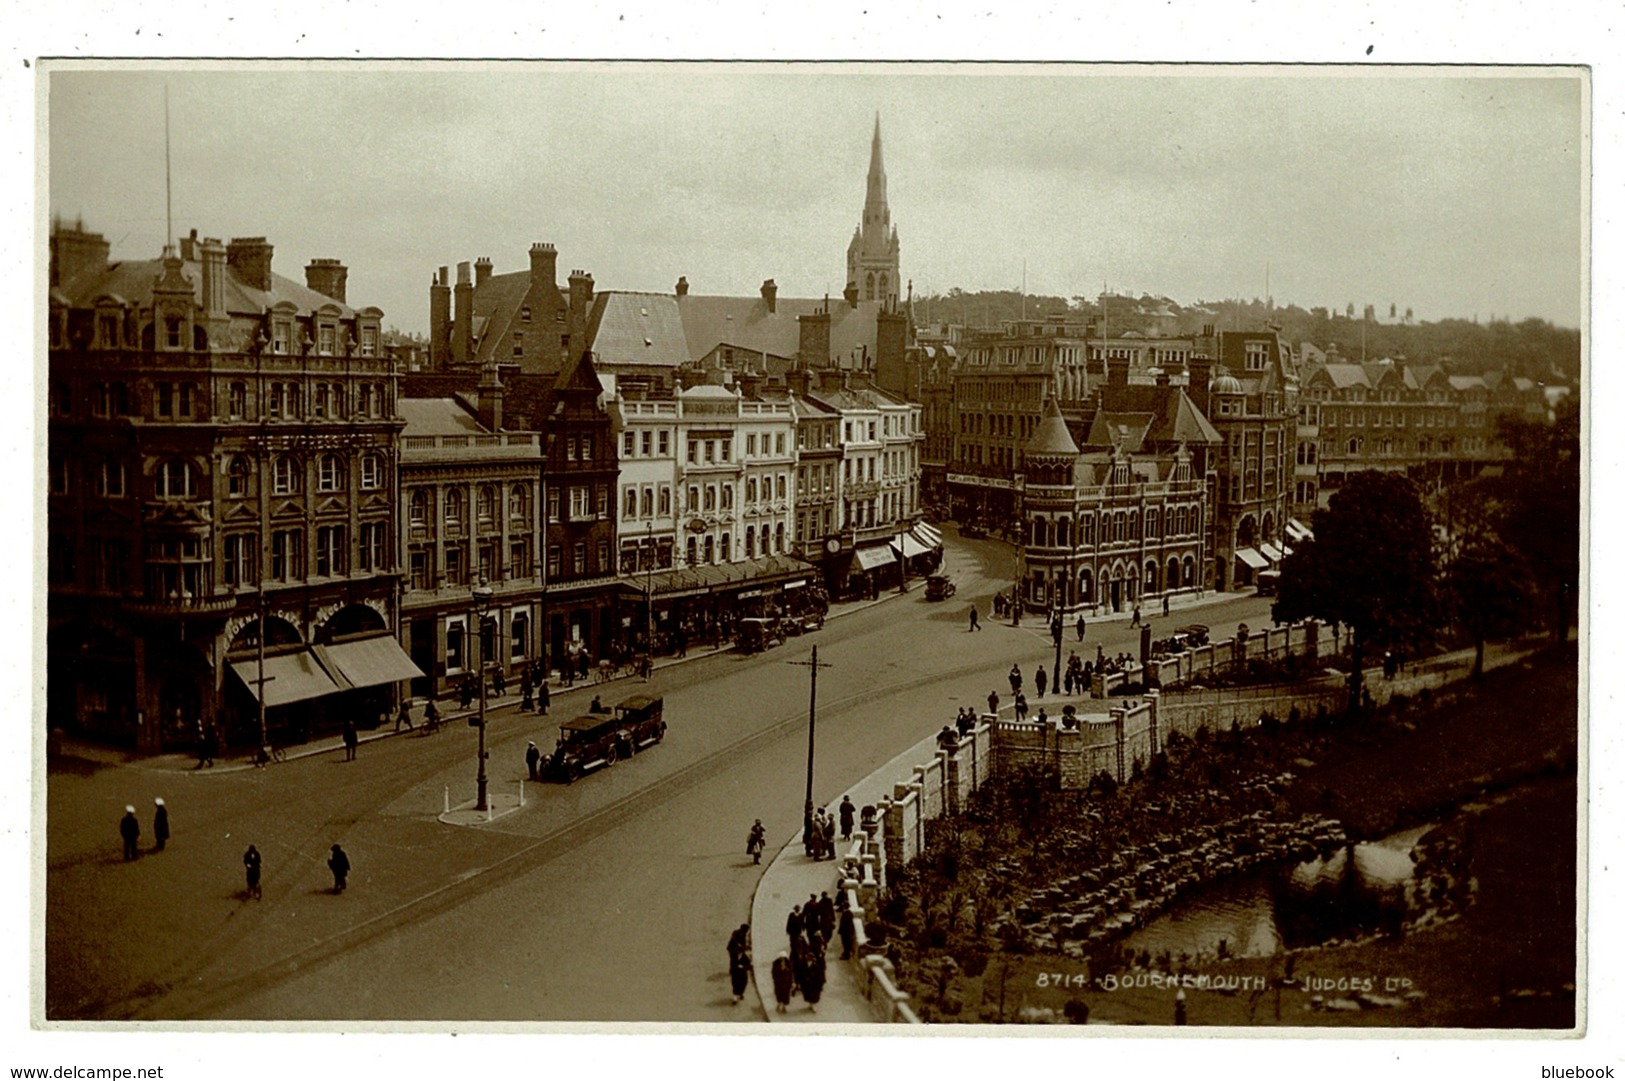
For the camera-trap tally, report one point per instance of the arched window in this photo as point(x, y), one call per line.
point(1086, 587)
point(778, 538)
point(237, 476)
point(1063, 533)
point(1173, 573)
point(420, 508)
point(869, 286)
point(1151, 520)
point(1190, 571)
point(692, 551)
point(456, 506)
point(284, 476)
point(726, 550)
point(372, 473)
point(883, 288)
point(328, 473)
point(710, 550)
point(486, 504)
point(518, 505)
point(629, 503)
point(750, 542)
point(1150, 576)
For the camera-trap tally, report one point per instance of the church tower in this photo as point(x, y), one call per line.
point(872, 257)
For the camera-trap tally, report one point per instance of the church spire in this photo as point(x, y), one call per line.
point(872, 257)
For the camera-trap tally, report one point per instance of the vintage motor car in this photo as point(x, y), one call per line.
point(755, 635)
point(939, 587)
point(594, 740)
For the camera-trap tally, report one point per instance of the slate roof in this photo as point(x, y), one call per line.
point(1175, 418)
point(638, 328)
point(436, 416)
point(131, 280)
point(1051, 435)
point(745, 323)
point(497, 302)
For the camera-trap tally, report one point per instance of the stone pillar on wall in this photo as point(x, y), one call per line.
point(1117, 731)
point(891, 817)
point(1153, 703)
point(1311, 639)
point(950, 801)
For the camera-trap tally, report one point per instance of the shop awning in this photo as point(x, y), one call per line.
point(292, 677)
point(929, 534)
point(908, 545)
point(369, 662)
point(1272, 553)
point(1298, 531)
point(867, 559)
point(1251, 557)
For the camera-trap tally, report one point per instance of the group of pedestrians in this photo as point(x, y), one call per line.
point(129, 829)
point(819, 841)
point(800, 969)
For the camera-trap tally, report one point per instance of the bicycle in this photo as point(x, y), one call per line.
point(269, 753)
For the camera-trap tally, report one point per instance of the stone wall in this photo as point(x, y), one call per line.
point(1308, 639)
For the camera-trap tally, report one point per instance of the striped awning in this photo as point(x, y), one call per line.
point(1297, 531)
point(1272, 553)
point(369, 662)
point(908, 545)
point(292, 677)
point(867, 559)
point(928, 534)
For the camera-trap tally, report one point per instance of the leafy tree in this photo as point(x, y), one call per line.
point(1480, 589)
point(1369, 568)
point(1538, 513)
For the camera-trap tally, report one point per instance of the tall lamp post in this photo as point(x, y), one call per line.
point(812, 721)
point(482, 601)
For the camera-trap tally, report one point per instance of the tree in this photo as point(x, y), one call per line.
point(1369, 568)
point(1538, 513)
point(1479, 586)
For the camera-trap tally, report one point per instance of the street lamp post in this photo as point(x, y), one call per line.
point(482, 600)
point(812, 715)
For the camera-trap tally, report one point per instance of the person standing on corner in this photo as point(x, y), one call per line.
point(1040, 680)
point(1135, 622)
point(339, 864)
point(1165, 604)
point(130, 830)
point(739, 961)
point(1082, 626)
point(352, 740)
point(160, 825)
point(533, 759)
point(756, 841)
point(993, 702)
point(1015, 679)
point(847, 812)
point(975, 625)
point(543, 698)
point(251, 868)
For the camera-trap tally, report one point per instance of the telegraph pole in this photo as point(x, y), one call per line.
point(812, 720)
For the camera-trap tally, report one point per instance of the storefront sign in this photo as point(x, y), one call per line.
point(983, 482)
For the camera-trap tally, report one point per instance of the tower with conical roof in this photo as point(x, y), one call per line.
point(1048, 507)
point(872, 257)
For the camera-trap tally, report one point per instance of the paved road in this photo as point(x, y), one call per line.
point(607, 900)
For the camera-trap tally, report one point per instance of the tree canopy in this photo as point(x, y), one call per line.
point(1369, 567)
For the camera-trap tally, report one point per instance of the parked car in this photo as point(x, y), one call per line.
point(972, 529)
point(594, 741)
point(939, 587)
point(755, 635)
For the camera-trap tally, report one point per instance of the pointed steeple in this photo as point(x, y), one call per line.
point(872, 257)
point(1052, 436)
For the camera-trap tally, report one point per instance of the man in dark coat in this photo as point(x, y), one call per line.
point(848, 933)
point(160, 824)
point(339, 864)
point(812, 979)
point(404, 716)
point(792, 923)
point(499, 682)
point(1015, 679)
point(130, 830)
point(352, 740)
point(847, 812)
point(543, 698)
point(251, 867)
point(527, 690)
point(739, 960)
point(783, 982)
point(1082, 626)
point(1040, 681)
point(826, 916)
point(533, 759)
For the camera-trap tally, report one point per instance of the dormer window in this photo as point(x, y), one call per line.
point(281, 333)
point(325, 338)
point(524, 313)
point(172, 332)
point(109, 332)
point(369, 341)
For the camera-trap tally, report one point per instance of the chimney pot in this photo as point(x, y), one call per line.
point(682, 286)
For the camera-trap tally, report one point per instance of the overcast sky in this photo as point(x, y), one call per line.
point(1456, 194)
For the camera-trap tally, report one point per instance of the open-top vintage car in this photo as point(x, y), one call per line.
point(938, 587)
point(755, 635)
point(594, 740)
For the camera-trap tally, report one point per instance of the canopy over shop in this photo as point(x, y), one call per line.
point(314, 688)
point(700, 604)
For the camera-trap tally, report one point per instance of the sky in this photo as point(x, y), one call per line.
point(1454, 192)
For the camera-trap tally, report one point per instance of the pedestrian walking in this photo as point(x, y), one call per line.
point(783, 980)
point(739, 960)
point(543, 698)
point(847, 932)
point(527, 690)
point(251, 869)
point(352, 739)
point(756, 842)
point(812, 979)
point(1040, 680)
point(205, 747)
point(499, 682)
point(533, 760)
point(465, 691)
point(993, 702)
point(1021, 707)
point(1066, 681)
point(974, 624)
point(847, 812)
point(829, 836)
point(1015, 679)
point(130, 830)
point(793, 923)
point(826, 916)
point(339, 864)
point(1135, 622)
point(1081, 626)
point(431, 716)
point(1165, 604)
point(160, 824)
point(404, 716)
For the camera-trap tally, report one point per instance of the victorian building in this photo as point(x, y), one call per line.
point(222, 454)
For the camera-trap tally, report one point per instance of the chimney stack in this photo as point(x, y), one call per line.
point(462, 330)
point(212, 254)
point(580, 307)
point(1116, 371)
point(482, 271)
point(1201, 374)
point(682, 287)
point(327, 277)
point(489, 394)
point(770, 293)
point(813, 348)
point(75, 252)
point(250, 257)
point(544, 265)
point(440, 320)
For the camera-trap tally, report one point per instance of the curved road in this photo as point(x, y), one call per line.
point(608, 900)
